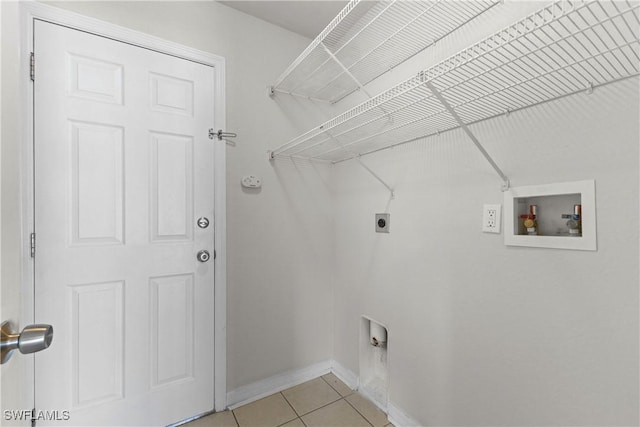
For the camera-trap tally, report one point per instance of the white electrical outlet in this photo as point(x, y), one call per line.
point(491, 218)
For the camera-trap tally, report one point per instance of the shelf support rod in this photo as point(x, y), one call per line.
point(449, 108)
point(375, 175)
point(356, 157)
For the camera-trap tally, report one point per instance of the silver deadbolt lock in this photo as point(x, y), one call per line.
point(204, 256)
point(203, 222)
point(32, 338)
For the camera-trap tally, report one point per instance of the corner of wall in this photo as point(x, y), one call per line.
point(13, 374)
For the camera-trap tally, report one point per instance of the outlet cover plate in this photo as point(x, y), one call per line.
point(491, 218)
point(382, 222)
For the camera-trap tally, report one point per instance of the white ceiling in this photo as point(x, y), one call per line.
point(305, 17)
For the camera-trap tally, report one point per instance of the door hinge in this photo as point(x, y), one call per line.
point(32, 67)
point(33, 245)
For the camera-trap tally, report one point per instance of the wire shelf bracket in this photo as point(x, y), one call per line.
point(472, 137)
point(376, 176)
point(366, 168)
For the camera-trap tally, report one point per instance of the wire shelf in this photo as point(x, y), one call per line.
point(367, 39)
point(565, 48)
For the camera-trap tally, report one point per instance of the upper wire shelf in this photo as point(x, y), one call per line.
point(564, 48)
point(368, 38)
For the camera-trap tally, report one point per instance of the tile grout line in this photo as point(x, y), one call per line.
point(330, 403)
point(361, 414)
point(296, 418)
point(294, 410)
point(290, 405)
point(349, 403)
point(299, 416)
point(321, 407)
point(356, 409)
point(235, 418)
point(335, 389)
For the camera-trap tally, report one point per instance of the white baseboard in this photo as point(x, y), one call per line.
point(345, 375)
point(263, 388)
point(266, 387)
point(399, 418)
point(396, 416)
point(375, 398)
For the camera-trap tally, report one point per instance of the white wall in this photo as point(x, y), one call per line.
point(481, 333)
point(279, 286)
point(13, 373)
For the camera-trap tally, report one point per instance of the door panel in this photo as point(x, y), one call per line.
point(171, 187)
point(172, 333)
point(97, 323)
point(97, 162)
point(123, 169)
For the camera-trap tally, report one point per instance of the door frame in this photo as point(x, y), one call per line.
point(31, 11)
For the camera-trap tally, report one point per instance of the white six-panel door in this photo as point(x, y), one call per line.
point(123, 170)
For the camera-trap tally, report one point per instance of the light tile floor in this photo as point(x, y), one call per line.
point(323, 402)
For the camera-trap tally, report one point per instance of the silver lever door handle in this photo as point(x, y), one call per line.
point(32, 338)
